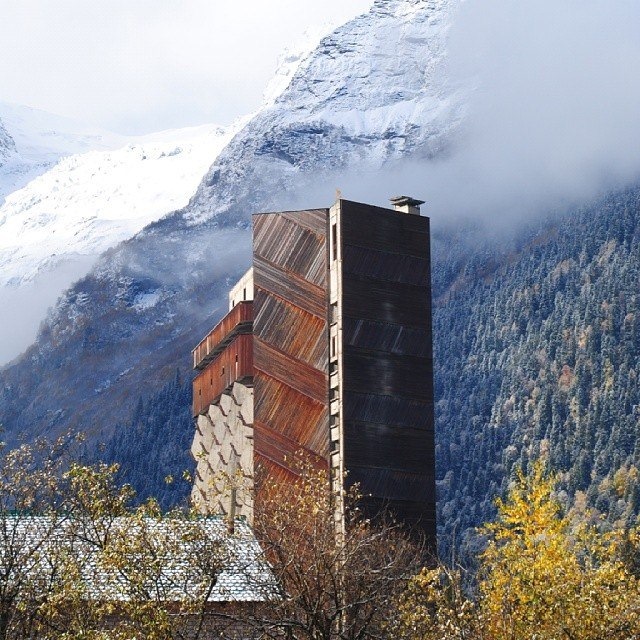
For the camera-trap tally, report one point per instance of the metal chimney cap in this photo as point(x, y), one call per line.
point(400, 201)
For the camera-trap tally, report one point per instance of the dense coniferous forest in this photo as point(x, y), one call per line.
point(536, 349)
point(152, 448)
point(535, 355)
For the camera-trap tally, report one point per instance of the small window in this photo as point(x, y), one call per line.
point(244, 293)
point(334, 242)
point(222, 371)
point(333, 346)
point(236, 357)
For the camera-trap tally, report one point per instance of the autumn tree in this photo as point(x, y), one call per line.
point(435, 606)
point(332, 586)
point(131, 571)
point(30, 477)
point(79, 560)
point(541, 577)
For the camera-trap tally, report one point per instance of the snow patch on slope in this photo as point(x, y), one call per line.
point(40, 139)
point(89, 202)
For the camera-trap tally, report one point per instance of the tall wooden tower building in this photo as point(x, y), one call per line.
point(326, 348)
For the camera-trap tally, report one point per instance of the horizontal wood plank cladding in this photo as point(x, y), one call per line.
point(393, 484)
point(409, 512)
point(238, 320)
point(271, 279)
point(387, 368)
point(295, 241)
point(298, 375)
point(385, 230)
point(235, 362)
point(387, 374)
point(390, 302)
point(390, 338)
point(294, 415)
point(296, 332)
point(388, 410)
point(385, 265)
point(381, 446)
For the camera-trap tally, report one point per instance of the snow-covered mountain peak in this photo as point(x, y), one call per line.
point(91, 201)
point(292, 57)
point(37, 140)
point(390, 55)
point(371, 91)
point(72, 207)
point(289, 61)
point(38, 133)
point(7, 144)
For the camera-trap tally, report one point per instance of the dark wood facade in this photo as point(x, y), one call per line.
point(387, 368)
point(290, 333)
point(360, 291)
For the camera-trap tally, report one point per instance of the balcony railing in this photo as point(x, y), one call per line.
point(238, 321)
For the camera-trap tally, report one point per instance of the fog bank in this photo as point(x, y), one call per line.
point(553, 112)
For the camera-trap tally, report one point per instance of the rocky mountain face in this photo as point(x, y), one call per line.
point(537, 338)
point(7, 145)
point(371, 92)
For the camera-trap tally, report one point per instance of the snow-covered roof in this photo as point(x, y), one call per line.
point(172, 559)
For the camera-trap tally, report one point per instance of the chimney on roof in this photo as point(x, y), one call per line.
point(406, 204)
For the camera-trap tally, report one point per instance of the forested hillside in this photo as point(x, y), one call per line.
point(537, 352)
point(152, 448)
point(537, 347)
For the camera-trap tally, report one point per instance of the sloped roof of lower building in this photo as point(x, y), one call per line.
point(170, 559)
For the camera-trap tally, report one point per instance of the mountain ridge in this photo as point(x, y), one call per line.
point(74, 205)
point(536, 329)
point(276, 157)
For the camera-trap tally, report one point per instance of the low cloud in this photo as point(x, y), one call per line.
point(23, 308)
point(553, 113)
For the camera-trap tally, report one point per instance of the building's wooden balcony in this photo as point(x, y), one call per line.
point(234, 363)
point(238, 321)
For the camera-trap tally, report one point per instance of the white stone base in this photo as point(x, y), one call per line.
point(223, 449)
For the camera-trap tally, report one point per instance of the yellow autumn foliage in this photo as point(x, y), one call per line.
point(541, 577)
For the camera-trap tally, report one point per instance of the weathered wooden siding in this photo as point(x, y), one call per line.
point(233, 363)
point(387, 361)
point(291, 343)
point(237, 321)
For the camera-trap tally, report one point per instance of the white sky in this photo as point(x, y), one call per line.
point(135, 66)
